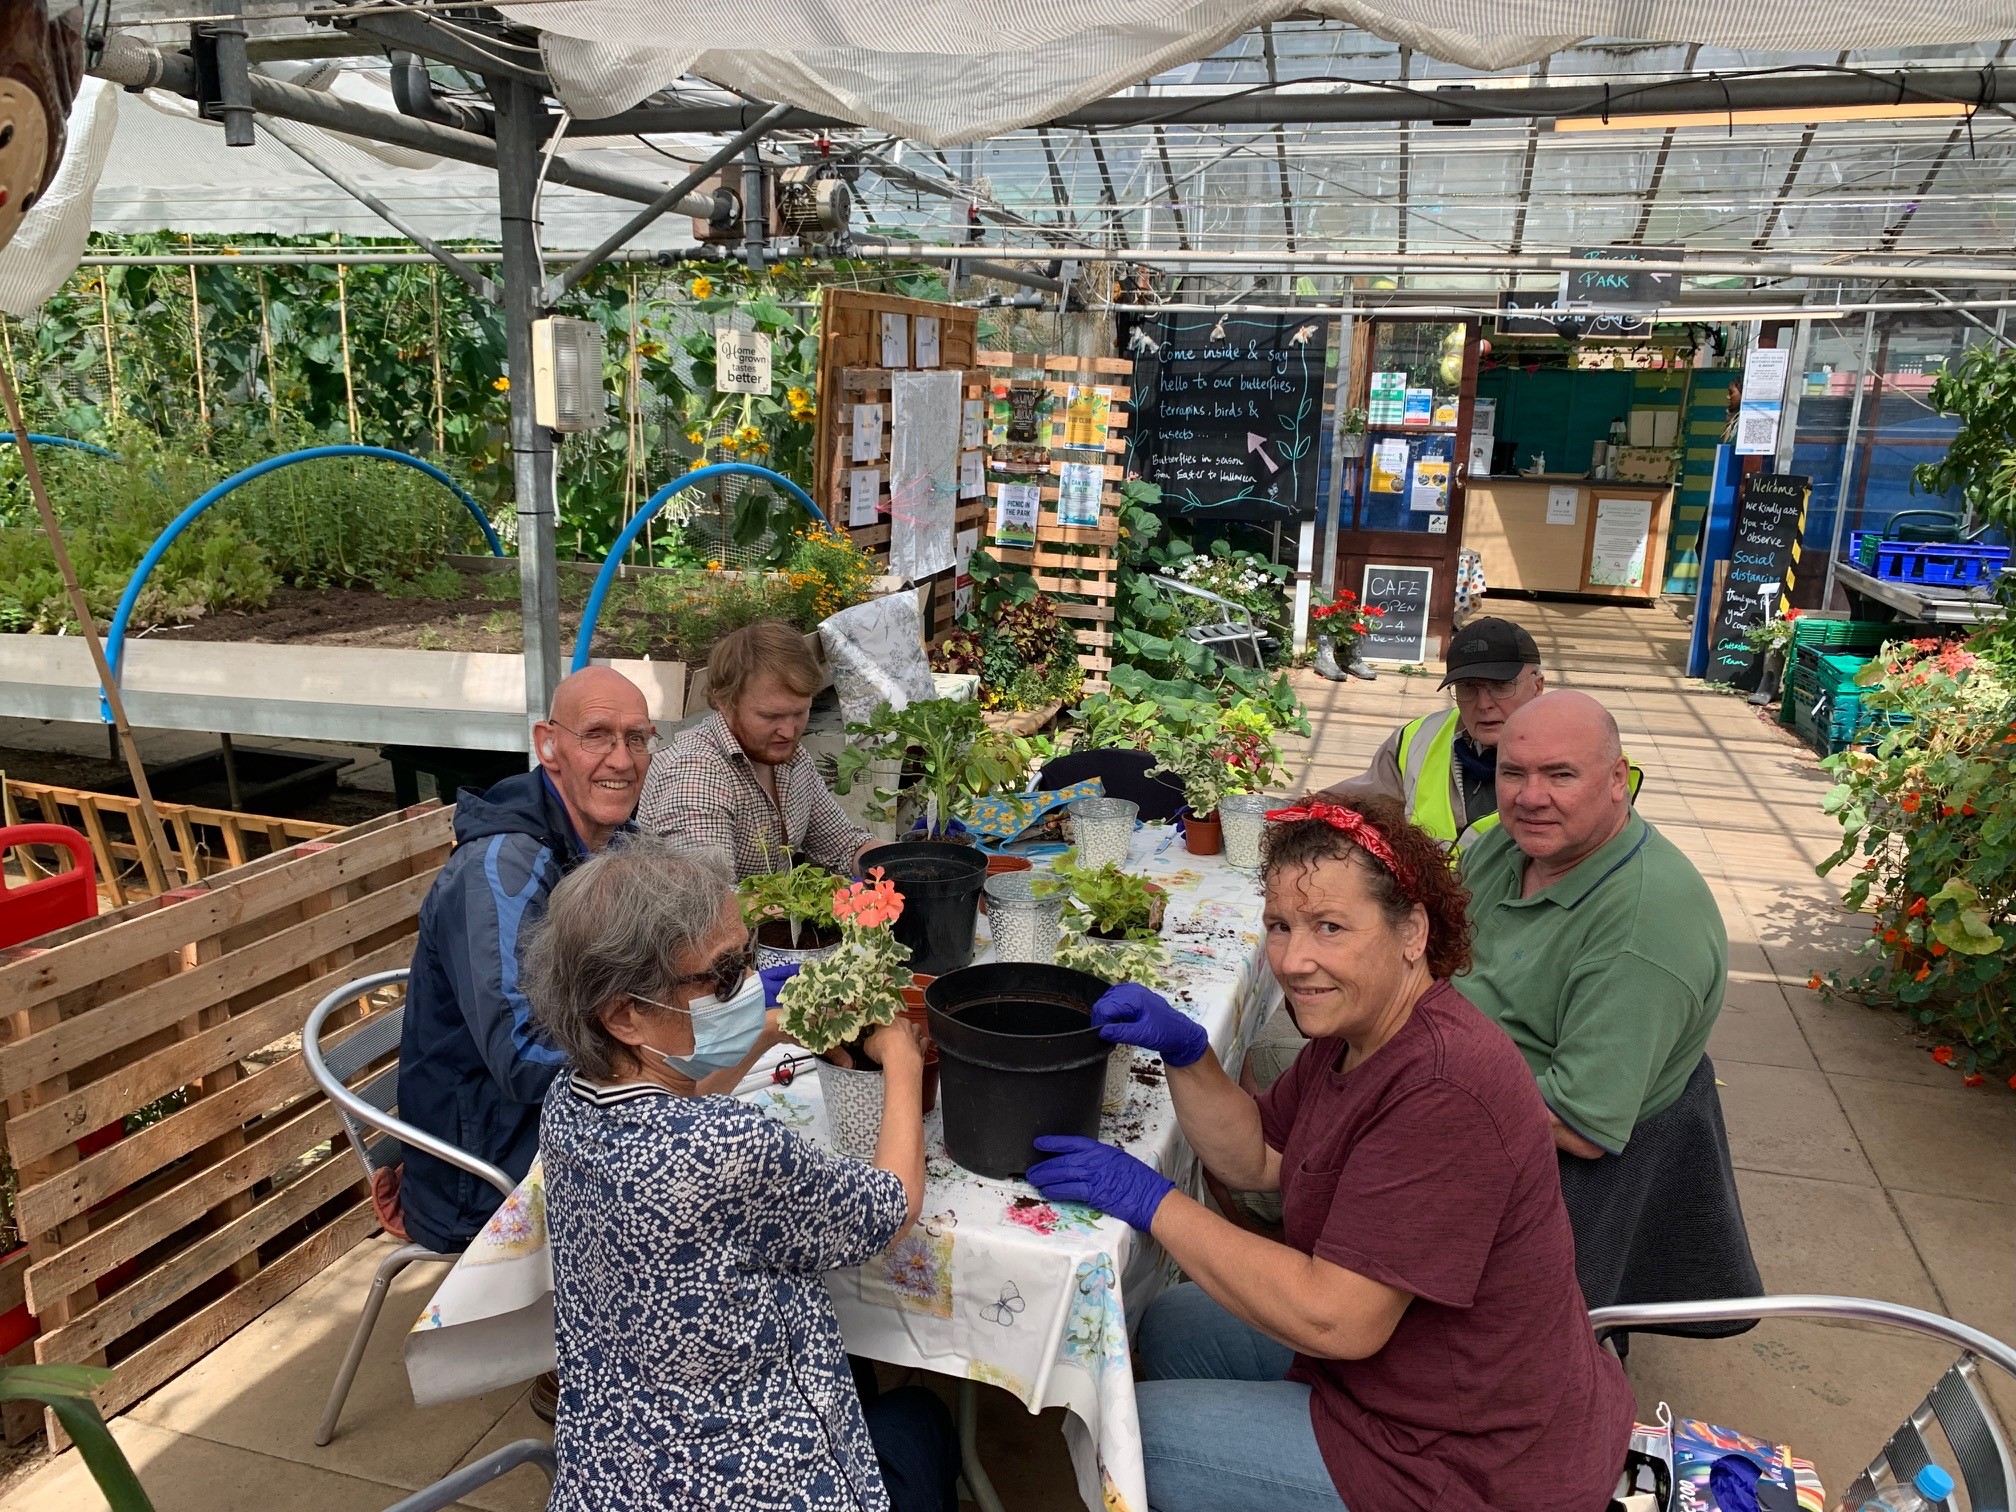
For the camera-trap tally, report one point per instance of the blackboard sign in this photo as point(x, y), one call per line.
point(1770, 519)
point(1403, 593)
point(1609, 278)
point(1228, 412)
point(1539, 312)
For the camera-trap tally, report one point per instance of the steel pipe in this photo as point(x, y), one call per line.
point(1771, 90)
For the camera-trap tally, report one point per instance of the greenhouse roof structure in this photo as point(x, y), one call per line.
point(1916, 170)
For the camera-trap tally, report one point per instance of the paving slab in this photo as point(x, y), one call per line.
point(1787, 1121)
point(184, 1473)
point(1950, 1141)
point(1832, 1238)
point(264, 1388)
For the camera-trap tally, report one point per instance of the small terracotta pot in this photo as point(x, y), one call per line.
point(914, 1012)
point(1203, 837)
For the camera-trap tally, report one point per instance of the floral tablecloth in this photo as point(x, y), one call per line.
point(992, 1284)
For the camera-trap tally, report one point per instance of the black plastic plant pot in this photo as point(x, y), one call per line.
point(940, 883)
point(1018, 1058)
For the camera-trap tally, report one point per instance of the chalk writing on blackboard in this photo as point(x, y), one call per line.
point(1229, 413)
point(1402, 594)
point(1770, 518)
point(1606, 276)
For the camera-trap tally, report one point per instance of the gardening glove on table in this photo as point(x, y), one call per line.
point(1131, 1014)
point(1100, 1176)
point(774, 978)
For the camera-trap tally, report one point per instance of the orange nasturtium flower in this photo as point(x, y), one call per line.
point(1972, 1079)
point(1910, 802)
point(1943, 1054)
point(1814, 981)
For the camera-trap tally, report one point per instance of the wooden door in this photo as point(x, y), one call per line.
point(1385, 524)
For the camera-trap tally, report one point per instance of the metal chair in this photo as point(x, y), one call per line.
point(1956, 1402)
point(451, 1489)
point(1237, 636)
point(377, 1137)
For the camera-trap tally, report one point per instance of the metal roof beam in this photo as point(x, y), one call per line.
point(1625, 98)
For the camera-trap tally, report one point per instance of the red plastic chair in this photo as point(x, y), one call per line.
point(28, 909)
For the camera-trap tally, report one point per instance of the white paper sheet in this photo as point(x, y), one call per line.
point(923, 471)
point(867, 433)
point(895, 341)
point(741, 362)
point(925, 328)
point(1562, 502)
point(973, 423)
point(1078, 495)
point(972, 474)
point(864, 491)
point(1617, 552)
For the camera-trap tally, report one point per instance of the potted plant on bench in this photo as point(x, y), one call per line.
point(791, 913)
point(834, 1001)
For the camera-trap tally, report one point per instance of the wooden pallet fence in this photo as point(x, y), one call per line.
point(853, 372)
point(1078, 566)
point(206, 840)
point(212, 1179)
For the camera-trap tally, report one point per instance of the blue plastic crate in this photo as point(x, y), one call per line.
point(1946, 563)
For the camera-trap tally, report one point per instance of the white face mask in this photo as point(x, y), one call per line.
point(723, 1032)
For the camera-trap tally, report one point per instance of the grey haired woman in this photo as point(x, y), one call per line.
point(700, 1361)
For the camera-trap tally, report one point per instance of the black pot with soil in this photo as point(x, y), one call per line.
point(1018, 1059)
point(940, 882)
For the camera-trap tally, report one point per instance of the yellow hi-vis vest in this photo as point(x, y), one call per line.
point(1427, 760)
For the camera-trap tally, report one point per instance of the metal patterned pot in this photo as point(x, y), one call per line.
point(853, 1109)
point(774, 947)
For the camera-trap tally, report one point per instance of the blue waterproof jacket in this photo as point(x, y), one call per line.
point(473, 1069)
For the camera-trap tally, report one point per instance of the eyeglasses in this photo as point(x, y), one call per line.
point(728, 971)
point(1498, 690)
point(600, 742)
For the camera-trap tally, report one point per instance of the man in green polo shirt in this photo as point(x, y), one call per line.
point(1597, 946)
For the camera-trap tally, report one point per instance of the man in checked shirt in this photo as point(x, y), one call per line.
point(738, 781)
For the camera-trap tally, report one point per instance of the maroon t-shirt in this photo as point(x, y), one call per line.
point(1431, 1168)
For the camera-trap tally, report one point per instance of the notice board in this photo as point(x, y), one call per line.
point(1228, 415)
point(1403, 594)
point(1770, 519)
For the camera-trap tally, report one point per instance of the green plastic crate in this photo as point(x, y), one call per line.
point(1844, 635)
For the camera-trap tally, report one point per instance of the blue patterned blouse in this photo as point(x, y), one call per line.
point(700, 1362)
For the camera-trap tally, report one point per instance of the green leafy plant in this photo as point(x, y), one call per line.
point(1144, 961)
point(1928, 805)
point(1774, 634)
point(1025, 655)
point(799, 897)
point(1227, 751)
point(1352, 422)
point(66, 1390)
point(1108, 900)
point(1980, 391)
point(1345, 620)
point(947, 743)
point(837, 1000)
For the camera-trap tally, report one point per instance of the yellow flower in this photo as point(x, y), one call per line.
point(703, 287)
point(797, 398)
point(713, 566)
point(697, 464)
point(697, 436)
point(748, 434)
point(500, 384)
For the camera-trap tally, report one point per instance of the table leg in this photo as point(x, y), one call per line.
point(980, 1488)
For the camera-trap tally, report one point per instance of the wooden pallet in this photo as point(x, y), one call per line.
point(149, 1252)
point(1079, 567)
point(206, 840)
point(850, 373)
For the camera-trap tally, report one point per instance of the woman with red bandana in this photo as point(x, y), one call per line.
point(1419, 1340)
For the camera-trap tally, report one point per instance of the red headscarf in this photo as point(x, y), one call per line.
point(1362, 831)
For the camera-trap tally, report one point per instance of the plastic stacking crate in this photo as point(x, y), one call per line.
point(1948, 564)
point(1835, 636)
point(1825, 702)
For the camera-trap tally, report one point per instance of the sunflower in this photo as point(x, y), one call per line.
point(500, 384)
point(702, 287)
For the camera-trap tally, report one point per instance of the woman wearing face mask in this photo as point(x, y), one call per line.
point(700, 1362)
point(1419, 1340)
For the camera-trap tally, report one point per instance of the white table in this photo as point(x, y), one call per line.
point(993, 1284)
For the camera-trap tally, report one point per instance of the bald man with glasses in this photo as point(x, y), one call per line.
point(473, 1069)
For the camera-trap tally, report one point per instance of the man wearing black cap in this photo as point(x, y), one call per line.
point(1444, 765)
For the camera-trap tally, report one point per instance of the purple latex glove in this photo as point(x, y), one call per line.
point(774, 978)
point(1131, 1014)
point(1100, 1176)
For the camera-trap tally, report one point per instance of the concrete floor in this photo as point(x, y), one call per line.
point(1866, 1168)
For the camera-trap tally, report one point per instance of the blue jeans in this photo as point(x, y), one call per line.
point(1221, 1431)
